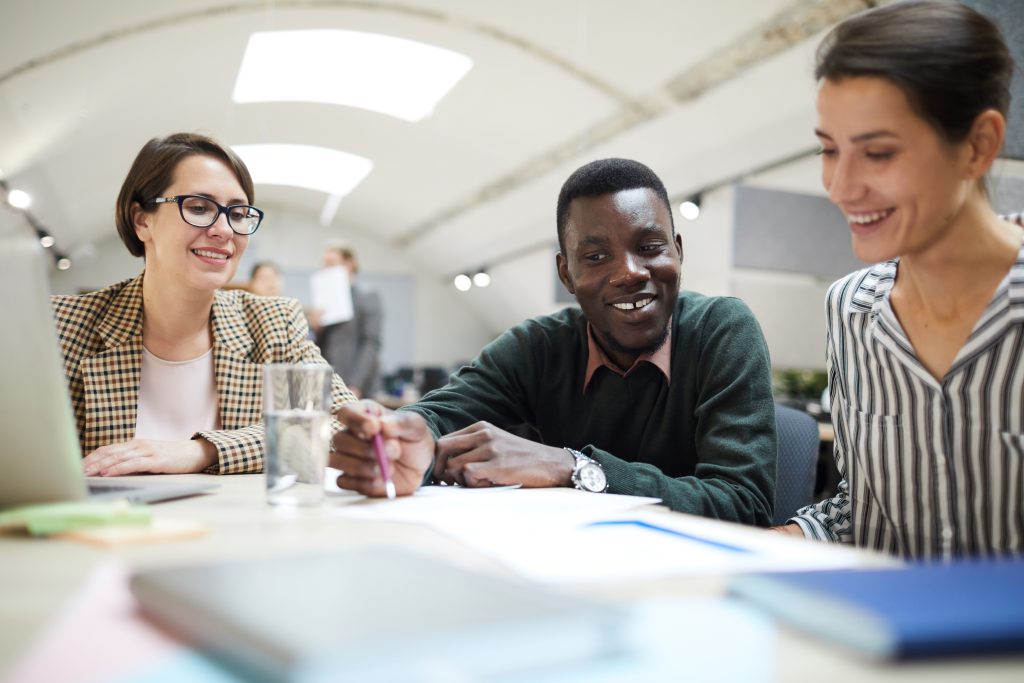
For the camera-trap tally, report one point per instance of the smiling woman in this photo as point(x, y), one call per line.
point(165, 368)
point(925, 350)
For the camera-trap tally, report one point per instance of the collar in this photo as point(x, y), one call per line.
point(872, 294)
point(123, 319)
point(597, 358)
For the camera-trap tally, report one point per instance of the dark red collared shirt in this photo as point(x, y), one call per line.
point(596, 358)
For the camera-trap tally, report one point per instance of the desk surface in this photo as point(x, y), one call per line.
point(39, 575)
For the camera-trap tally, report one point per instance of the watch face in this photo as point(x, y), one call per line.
point(591, 477)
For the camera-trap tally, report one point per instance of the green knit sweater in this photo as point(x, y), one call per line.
point(704, 443)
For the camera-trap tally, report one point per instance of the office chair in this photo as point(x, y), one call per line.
point(798, 459)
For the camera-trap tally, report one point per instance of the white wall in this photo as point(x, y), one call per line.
point(707, 244)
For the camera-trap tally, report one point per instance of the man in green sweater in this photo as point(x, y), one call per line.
point(642, 390)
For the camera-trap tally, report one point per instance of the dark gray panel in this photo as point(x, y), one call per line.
point(1009, 15)
point(790, 232)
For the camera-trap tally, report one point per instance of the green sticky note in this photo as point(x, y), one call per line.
point(52, 518)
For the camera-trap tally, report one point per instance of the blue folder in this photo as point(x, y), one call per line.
point(920, 610)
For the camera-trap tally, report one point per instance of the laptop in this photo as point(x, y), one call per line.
point(377, 614)
point(40, 456)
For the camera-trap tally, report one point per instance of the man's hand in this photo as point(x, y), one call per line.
point(140, 456)
point(483, 455)
point(408, 444)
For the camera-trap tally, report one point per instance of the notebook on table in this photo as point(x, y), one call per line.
point(970, 606)
point(40, 455)
point(374, 614)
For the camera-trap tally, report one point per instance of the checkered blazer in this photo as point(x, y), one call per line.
point(101, 338)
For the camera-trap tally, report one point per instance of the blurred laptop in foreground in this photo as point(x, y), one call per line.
point(300, 619)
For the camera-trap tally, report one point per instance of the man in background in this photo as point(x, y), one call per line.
point(352, 347)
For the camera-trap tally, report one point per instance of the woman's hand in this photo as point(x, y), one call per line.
point(140, 456)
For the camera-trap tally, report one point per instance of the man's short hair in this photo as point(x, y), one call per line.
point(607, 176)
point(344, 250)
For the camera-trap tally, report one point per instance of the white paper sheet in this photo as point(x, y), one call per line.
point(566, 536)
point(332, 295)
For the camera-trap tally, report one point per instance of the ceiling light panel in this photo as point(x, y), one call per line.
point(385, 74)
point(315, 168)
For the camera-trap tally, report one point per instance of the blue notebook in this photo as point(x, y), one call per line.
point(920, 610)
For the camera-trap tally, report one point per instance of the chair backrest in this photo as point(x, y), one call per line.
point(798, 460)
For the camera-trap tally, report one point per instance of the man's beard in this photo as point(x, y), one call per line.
point(615, 347)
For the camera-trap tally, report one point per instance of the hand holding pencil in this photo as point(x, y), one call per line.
point(381, 452)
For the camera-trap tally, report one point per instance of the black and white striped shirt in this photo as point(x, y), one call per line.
point(929, 468)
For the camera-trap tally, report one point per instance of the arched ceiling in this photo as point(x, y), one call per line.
point(704, 92)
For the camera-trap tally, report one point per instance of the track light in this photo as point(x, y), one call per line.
point(481, 279)
point(463, 282)
point(19, 199)
point(690, 207)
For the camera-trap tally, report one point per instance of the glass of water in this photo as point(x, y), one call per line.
point(297, 418)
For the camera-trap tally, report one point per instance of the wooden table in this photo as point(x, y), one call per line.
point(38, 575)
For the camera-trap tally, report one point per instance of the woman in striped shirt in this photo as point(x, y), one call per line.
point(925, 350)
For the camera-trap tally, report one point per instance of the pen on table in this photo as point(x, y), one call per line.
point(382, 462)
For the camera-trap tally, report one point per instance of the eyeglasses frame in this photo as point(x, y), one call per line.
point(178, 199)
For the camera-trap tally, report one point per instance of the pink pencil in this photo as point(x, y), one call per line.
point(382, 462)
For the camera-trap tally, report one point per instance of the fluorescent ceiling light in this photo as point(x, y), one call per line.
point(393, 76)
point(315, 168)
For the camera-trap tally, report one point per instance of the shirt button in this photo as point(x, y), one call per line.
point(940, 459)
point(947, 534)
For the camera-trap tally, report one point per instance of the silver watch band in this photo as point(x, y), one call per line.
point(584, 472)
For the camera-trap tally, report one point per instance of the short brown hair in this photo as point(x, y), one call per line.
point(342, 249)
point(152, 172)
point(950, 61)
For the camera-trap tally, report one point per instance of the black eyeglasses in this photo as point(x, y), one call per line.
point(202, 212)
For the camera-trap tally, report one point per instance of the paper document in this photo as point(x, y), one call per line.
point(332, 295)
point(568, 536)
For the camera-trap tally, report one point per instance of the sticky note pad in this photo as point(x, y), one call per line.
point(52, 518)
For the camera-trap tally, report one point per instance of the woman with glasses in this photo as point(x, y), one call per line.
point(165, 369)
point(925, 350)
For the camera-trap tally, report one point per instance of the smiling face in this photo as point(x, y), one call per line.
point(899, 184)
point(623, 263)
point(179, 255)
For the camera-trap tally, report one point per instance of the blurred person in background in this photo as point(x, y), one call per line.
point(352, 347)
point(266, 279)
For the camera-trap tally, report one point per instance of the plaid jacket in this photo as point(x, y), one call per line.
point(101, 339)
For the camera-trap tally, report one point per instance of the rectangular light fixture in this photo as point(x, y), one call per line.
point(314, 168)
point(393, 76)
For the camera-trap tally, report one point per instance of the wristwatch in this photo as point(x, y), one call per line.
point(587, 475)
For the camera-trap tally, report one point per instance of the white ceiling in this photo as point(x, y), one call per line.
point(702, 91)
